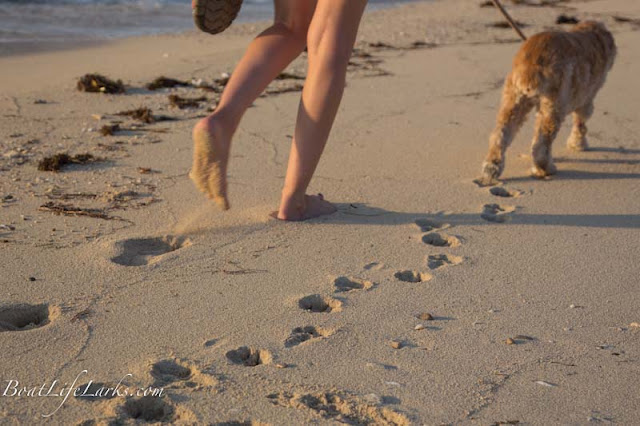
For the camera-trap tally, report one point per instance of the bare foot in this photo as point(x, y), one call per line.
point(210, 158)
point(295, 209)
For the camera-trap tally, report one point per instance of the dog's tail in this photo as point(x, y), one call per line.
point(527, 80)
point(532, 62)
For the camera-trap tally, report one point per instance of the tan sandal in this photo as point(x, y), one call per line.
point(215, 16)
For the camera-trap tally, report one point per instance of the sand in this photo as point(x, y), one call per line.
point(122, 268)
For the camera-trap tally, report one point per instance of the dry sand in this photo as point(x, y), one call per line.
point(218, 307)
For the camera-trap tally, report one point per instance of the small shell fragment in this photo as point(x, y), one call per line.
point(419, 327)
point(547, 384)
point(510, 341)
point(396, 344)
point(425, 316)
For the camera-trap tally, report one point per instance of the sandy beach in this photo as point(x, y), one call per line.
point(410, 305)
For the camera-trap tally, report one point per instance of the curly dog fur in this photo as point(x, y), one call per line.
point(559, 73)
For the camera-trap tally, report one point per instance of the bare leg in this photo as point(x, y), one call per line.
point(548, 124)
point(578, 138)
point(265, 58)
point(330, 41)
point(513, 111)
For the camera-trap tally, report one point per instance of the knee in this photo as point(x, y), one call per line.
point(295, 32)
point(294, 22)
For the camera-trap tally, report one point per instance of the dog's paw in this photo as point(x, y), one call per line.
point(577, 143)
point(490, 174)
point(543, 172)
point(491, 170)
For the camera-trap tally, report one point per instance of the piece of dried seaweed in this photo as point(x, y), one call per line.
point(55, 162)
point(70, 210)
point(182, 103)
point(145, 115)
point(109, 129)
point(280, 90)
point(289, 76)
point(166, 82)
point(97, 83)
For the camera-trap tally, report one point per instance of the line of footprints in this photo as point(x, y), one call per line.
point(175, 373)
point(319, 303)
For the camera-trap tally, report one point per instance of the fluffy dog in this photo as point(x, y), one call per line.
point(559, 73)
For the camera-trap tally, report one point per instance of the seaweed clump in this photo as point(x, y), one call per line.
point(182, 103)
point(56, 162)
point(144, 114)
point(165, 82)
point(97, 83)
point(109, 129)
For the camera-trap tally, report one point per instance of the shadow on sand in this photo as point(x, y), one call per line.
point(359, 214)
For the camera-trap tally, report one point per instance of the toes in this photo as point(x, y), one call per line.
point(318, 206)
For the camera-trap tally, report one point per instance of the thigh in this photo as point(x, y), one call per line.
point(295, 14)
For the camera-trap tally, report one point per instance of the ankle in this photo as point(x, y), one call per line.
point(219, 124)
point(293, 195)
point(225, 117)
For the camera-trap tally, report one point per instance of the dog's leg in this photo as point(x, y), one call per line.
point(578, 138)
point(548, 122)
point(513, 111)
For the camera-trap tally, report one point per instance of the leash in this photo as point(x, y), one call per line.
point(509, 19)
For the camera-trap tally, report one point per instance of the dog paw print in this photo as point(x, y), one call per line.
point(317, 303)
point(497, 213)
point(501, 191)
point(346, 284)
point(409, 276)
point(249, 357)
point(428, 225)
point(441, 240)
point(436, 261)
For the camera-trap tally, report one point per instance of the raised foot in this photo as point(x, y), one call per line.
point(210, 158)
